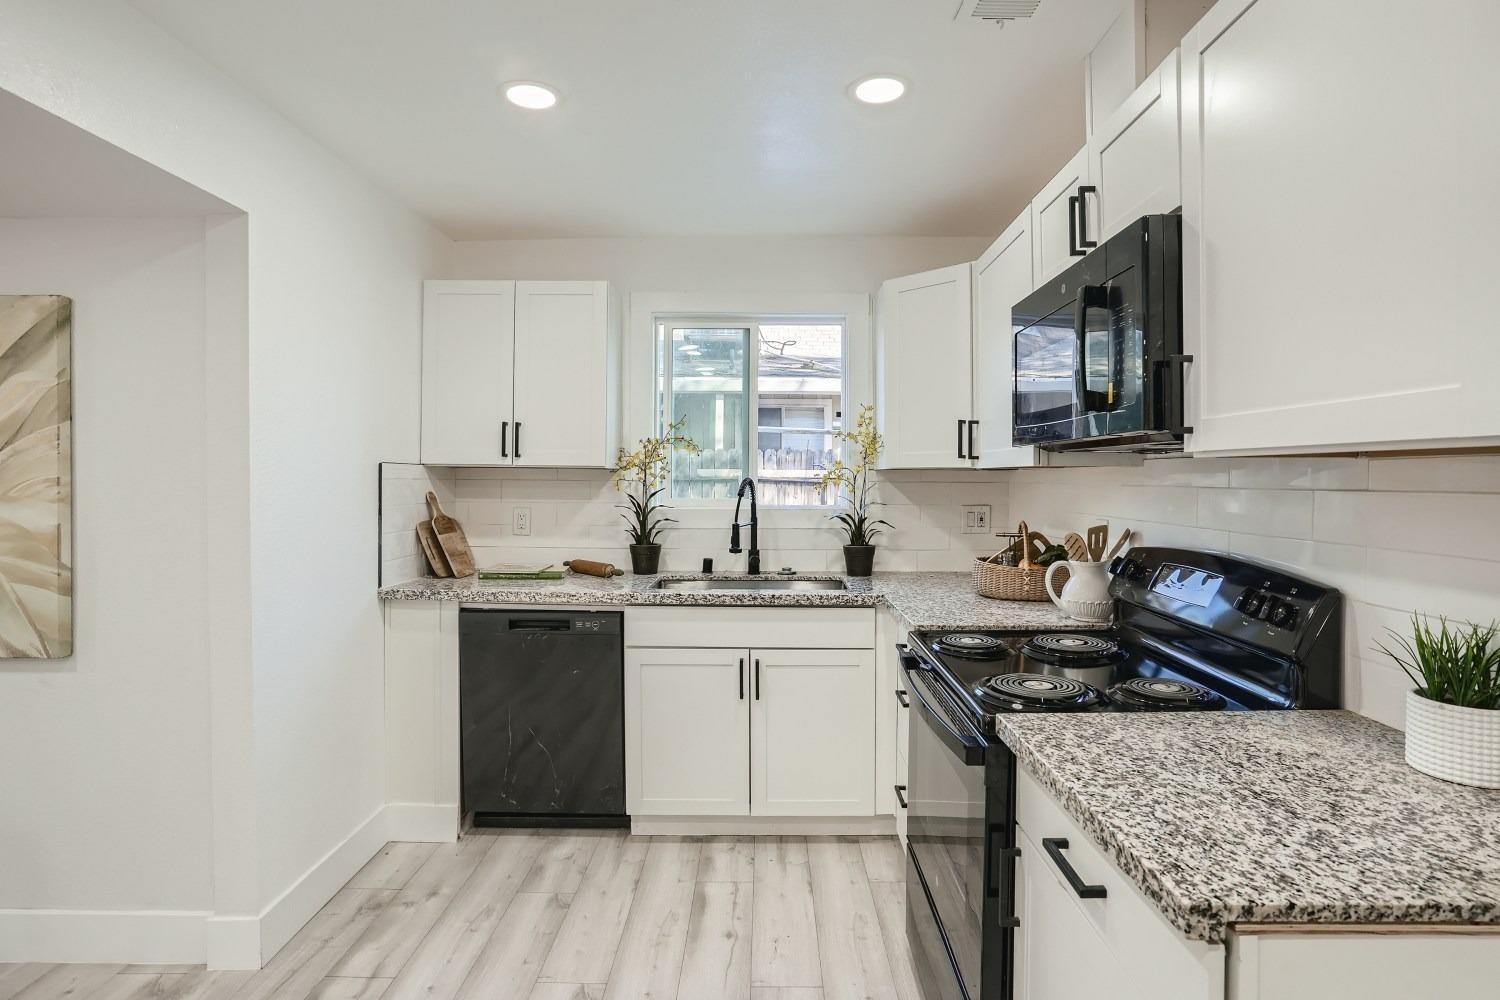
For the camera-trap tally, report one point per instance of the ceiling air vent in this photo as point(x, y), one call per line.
point(998, 11)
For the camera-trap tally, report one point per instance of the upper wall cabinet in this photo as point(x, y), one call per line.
point(923, 333)
point(1002, 277)
point(1134, 155)
point(1114, 66)
point(1326, 224)
point(1059, 216)
point(520, 373)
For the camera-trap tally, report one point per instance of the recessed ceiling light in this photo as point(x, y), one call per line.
point(532, 96)
point(879, 89)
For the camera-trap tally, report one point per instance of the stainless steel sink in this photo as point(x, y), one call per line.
point(774, 585)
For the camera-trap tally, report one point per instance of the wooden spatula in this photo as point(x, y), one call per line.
point(451, 537)
point(1078, 549)
point(427, 538)
point(1098, 537)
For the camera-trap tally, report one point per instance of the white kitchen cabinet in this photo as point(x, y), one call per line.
point(1336, 197)
point(687, 726)
point(1114, 65)
point(749, 732)
point(923, 337)
point(520, 373)
point(1056, 214)
point(812, 732)
point(1134, 154)
point(468, 342)
point(1003, 276)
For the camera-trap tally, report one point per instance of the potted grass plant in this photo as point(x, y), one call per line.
point(642, 475)
point(855, 487)
point(1453, 714)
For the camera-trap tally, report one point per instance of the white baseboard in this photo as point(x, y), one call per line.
point(148, 937)
point(421, 822)
point(768, 826)
point(232, 942)
point(306, 896)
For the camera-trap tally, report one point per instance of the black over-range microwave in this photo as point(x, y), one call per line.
point(1098, 349)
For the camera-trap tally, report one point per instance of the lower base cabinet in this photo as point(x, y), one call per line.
point(750, 732)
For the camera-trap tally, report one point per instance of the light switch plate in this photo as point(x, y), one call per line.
point(520, 521)
point(976, 520)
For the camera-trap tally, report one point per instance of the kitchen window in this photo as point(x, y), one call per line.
point(761, 397)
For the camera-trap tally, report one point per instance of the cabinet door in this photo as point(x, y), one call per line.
point(1335, 237)
point(562, 348)
point(687, 732)
point(1059, 955)
point(1114, 65)
point(1056, 237)
point(812, 732)
point(468, 333)
point(1134, 155)
point(925, 335)
point(1002, 277)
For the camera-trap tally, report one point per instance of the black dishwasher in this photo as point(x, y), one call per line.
point(542, 704)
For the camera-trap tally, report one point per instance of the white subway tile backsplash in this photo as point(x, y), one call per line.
point(1300, 473)
point(1456, 524)
point(1283, 513)
point(1187, 471)
point(1437, 474)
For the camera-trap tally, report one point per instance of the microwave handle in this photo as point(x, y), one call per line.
point(1089, 297)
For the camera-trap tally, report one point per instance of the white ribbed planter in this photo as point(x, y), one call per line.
point(1452, 743)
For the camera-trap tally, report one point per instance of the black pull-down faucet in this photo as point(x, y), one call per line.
point(734, 528)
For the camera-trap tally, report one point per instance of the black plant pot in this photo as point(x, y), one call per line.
point(859, 560)
point(644, 559)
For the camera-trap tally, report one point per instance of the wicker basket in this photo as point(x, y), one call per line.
point(1011, 583)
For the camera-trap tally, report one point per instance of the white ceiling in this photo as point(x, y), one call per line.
point(54, 169)
point(678, 117)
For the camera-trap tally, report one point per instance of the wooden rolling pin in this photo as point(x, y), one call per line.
point(589, 567)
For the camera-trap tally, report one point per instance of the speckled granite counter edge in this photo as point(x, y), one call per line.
point(1209, 918)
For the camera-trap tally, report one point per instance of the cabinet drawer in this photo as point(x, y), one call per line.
point(1150, 952)
point(762, 628)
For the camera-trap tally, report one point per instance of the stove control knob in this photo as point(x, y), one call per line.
point(1284, 615)
point(1268, 605)
point(1250, 603)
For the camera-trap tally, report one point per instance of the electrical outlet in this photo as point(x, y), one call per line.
point(520, 521)
point(976, 519)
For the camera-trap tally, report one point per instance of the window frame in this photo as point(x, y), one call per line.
point(662, 325)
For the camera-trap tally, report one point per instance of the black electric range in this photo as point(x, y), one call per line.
point(1193, 631)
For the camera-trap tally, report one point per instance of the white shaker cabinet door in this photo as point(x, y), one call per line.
point(1339, 219)
point(1134, 154)
point(1058, 213)
point(687, 739)
point(1003, 276)
point(812, 733)
point(468, 330)
point(924, 334)
point(564, 398)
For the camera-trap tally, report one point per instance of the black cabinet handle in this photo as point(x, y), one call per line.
point(972, 424)
point(1073, 250)
point(757, 678)
point(518, 439)
point(1084, 243)
point(1054, 847)
point(961, 423)
point(504, 439)
point(742, 678)
point(902, 697)
point(901, 795)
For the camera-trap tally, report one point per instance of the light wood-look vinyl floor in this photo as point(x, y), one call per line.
point(570, 915)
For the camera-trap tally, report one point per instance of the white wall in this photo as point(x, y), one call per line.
point(1395, 535)
point(333, 350)
point(105, 786)
point(715, 264)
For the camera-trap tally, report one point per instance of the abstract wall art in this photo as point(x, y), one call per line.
point(36, 476)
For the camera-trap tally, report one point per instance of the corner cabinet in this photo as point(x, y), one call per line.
point(923, 339)
point(520, 373)
point(1325, 225)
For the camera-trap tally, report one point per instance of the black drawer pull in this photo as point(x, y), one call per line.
point(900, 795)
point(742, 678)
point(1054, 847)
point(903, 698)
point(504, 437)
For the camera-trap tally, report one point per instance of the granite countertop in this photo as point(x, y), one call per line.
point(925, 600)
point(1270, 817)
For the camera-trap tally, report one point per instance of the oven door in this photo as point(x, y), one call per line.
point(945, 890)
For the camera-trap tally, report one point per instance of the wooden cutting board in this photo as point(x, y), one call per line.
point(451, 539)
point(427, 538)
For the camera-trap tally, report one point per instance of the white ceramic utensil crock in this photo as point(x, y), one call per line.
point(1086, 594)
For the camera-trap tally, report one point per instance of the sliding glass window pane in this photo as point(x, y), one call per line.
point(711, 389)
point(800, 403)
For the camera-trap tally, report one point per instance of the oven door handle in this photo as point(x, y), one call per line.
point(966, 744)
point(1089, 297)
